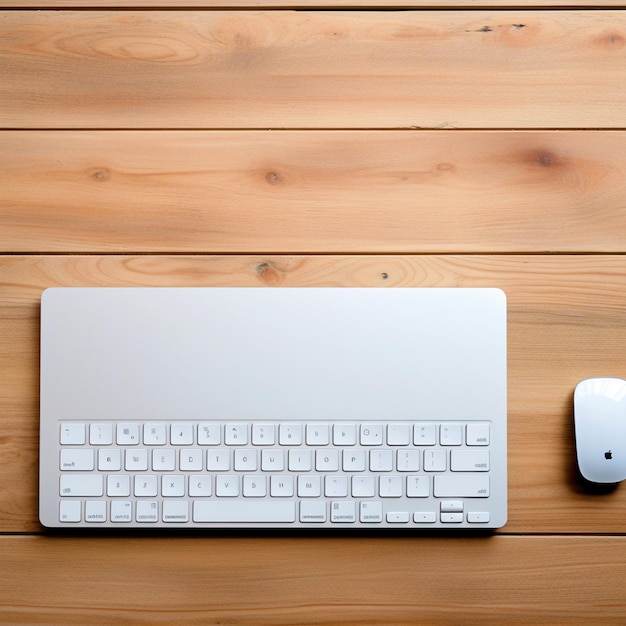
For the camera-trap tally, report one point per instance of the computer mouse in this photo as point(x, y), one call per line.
point(600, 427)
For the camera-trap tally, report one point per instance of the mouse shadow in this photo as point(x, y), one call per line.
point(576, 480)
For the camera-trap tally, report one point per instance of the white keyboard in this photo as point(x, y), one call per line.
point(274, 408)
point(290, 473)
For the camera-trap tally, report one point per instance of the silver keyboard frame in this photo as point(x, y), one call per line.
point(331, 355)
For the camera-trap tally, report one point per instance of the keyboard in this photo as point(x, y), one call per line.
point(398, 473)
point(385, 465)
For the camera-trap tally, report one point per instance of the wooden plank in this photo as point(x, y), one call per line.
point(314, 579)
point(312, 191)
point(288, 4)
point(315, 69)
point(566, 323)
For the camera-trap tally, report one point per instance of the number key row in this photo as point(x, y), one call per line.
point(285, 434)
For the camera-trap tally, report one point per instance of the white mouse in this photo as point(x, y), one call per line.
point(600, 425)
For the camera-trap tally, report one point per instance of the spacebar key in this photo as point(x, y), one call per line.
point(233, 511)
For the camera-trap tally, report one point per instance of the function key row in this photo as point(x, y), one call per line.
point(284, 434)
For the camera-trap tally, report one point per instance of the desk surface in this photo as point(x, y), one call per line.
point(236, 144)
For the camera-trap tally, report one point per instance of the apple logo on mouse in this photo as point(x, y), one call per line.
point(600, 429)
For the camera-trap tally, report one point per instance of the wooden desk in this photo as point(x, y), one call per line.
point(243, 145)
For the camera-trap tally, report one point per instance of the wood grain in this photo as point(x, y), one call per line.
point(313, 580)
point(566, 323)
point(356, 195)
point(312, 191)
point(313, 69)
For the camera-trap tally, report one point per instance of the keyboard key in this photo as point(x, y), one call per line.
point(101, 434)
point(313, 511)
point(218, 460)
point(121, 511)
point(236, 435)
point(317, 435)
point(147, 511)
point(336, 486)
point(263, 435)
point(154, 434)
point(344, 434)
point(254, 486)
point(72, 434)
point(191, 460)
point(343, 511)
point(181, 434)
point(227, 486)
point(451, 518)
point(451, 434)
point(435, 460)
point(200, 486)
point(96, 511)
point(300, 460)
point(209, 435)
point(463, 460)
point(127, 434)
point(452, 506)
point(309, 486)
point(418, 486)
point(478, 517)
point(175, 511)
point(390, 486)
point(408, 460)
point(244, 511)
point(145, 485)
point(371, 512)
point(69, 511)
point(381, 460)
point(172, 485)
point(164, 459)
point(118, 485)
point(477, 434)
point(354, 460)
point(76, 460)
point(398, 434)
point(290, 434)
point(246, 460)
point(371, 435)
point(136, 460)
point(398, 517)
point(272, 460)
point(425, 434)
point(81, 485)
point(461, 486)
point(363, 486)
point(109, 460)
point(281, 486)
point(327, 460)
point(425, 517)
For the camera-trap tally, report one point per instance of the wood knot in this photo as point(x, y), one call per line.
point(445, 167)
point(268, 274)
point(546, 159)
point(611, 40)
point(272, 178)
point(100, 174)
